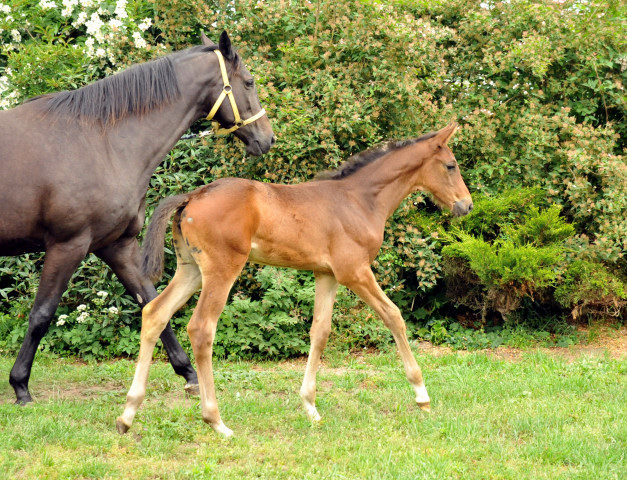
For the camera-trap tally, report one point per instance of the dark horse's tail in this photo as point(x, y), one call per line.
point(154, 241)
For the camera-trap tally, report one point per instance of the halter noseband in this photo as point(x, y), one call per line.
point(227, 91)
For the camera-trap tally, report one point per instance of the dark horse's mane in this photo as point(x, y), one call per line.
point(134, 91)
point(361, 159)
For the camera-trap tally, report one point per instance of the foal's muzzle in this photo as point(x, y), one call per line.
point(462, 207)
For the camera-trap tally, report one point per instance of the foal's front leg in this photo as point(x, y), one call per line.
point(365, 285)
point(326, 288)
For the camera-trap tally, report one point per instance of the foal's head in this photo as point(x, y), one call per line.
point(440, 174)
point(257, 135)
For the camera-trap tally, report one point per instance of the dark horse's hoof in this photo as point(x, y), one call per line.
point(192, 389)
point(24, 401)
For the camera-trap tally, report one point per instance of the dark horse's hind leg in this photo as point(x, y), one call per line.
point(60, 262)
point(123, 258)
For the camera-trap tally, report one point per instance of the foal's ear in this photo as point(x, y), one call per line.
point(447, 132)
point(225, 46)
point(205, 39)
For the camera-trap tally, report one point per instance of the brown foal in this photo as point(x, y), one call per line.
point(332, 226)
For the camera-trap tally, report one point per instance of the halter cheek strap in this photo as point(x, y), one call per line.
point(227, 91)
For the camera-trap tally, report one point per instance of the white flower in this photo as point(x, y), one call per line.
point(61, 320)
point(138, 40)
point(47, 4)
point(115, 24)
point(145, 24)
point(102, 294)
point(113, 310)
point(4, 84)
point(11, 99)
point(89, 47)
point(81, 308)
point(100, 52)
point(68, 7)
point(120, 9)
point(94, 27)
point(82, 17)
point(16, 36)
point(82, 317)
point(87, 3)
point(5, 8)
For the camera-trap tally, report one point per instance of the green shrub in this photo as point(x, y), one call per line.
point(537, 85)
point(92, 331)
point(275, 326)
point(535, 263)
point(589, 289)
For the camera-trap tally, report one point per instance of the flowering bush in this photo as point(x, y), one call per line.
point(537, 85)
point(62, 44)
point(92, 331)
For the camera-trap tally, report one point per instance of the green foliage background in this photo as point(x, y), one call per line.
point(537, 85)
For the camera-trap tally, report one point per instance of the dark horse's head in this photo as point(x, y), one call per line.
point(238, 112)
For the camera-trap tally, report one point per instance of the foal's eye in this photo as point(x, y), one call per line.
point(451, 167)
point(249, 83)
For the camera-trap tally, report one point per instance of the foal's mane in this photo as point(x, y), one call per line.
point(134, 91)
point(361, 159)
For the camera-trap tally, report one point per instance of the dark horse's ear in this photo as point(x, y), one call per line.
point(205, 39)
point(225, 46)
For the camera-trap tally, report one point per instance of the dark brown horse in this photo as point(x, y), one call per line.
point(75, 167)
point(333, 226)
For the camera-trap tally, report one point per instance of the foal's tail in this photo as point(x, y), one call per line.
point(154, 241)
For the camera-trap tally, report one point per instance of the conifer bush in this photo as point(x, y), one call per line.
point(535, 262)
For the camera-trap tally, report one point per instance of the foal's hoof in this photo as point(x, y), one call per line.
point(222, 430)
point(121, 427)
point(192, 389)
point(312, 414)
point(426, 406)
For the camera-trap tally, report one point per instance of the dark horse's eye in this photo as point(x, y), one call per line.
point(249, 83)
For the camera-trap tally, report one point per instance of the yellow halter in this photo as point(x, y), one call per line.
point(227, 91)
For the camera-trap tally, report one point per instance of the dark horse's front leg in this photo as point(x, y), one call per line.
point(124, 259)
point(60, 263)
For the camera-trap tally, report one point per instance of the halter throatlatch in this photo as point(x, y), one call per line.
point(227, 91)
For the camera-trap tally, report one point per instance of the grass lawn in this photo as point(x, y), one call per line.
point(533, 414)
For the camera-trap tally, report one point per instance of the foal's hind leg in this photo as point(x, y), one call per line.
point(60, 263)
point(326, 288)
point(217, 283)
point(365, 285)
point(155, 316)
point(124, 259)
